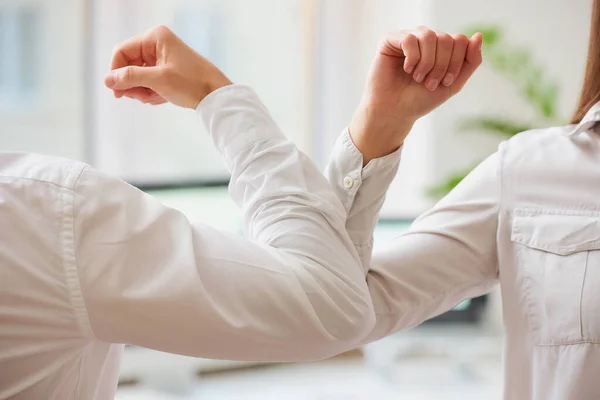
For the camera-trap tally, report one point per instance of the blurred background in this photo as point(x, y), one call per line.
point(308, 60)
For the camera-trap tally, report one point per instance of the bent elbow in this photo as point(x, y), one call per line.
point(353, 322)
point(362, 324)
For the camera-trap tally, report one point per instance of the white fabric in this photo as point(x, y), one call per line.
point(87, 262)
point(528, 218)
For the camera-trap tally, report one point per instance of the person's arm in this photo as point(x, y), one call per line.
point(413, 73)
point(449, 253)
point(293, 289)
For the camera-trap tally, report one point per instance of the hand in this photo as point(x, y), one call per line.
point(413, 73)
point(158, 67)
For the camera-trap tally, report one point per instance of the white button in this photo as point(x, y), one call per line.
point(348, 182)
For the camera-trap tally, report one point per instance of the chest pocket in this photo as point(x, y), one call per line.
point(559, 268)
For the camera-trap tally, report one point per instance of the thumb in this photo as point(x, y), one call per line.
point(132, 76)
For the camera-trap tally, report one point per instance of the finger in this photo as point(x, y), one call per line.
point(402, 44)
point(157, 102)
point(472, 61)
point(138, 50)
point(127, 53)
point(412, 54)
point(427, 46)
point(137, 92)
point(443, 52)
point(149, 99)
point(133, 76)
point(144, 95)
point(120, 93)
point(459, 51)
point(156, 99)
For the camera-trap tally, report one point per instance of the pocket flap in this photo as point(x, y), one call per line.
point(557, 232)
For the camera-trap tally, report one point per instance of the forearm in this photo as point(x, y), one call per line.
point(376, 135)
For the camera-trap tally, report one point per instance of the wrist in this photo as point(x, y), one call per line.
point(218, 81)
point(376, 134)
point(213, 81)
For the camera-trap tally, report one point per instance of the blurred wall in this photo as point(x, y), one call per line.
point(50, 118)
point(556, 32)
point(267, 44)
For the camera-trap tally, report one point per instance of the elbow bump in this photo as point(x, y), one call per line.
point(351, 332)
point(364, 324)
point(344, 332)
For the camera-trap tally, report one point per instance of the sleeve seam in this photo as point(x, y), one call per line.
point(70, 260)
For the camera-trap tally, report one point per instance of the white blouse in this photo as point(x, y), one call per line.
point(528, 218)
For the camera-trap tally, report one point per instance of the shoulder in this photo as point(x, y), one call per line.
point(40, 169)
point(536, 141)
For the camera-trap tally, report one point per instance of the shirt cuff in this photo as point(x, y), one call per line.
point(235, 118)
point(346, 173)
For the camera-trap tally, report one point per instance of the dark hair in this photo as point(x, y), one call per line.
point(590, 92)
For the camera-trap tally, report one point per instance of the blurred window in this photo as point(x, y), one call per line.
point(19, 44)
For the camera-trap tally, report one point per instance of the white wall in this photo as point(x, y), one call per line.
point(52, 121)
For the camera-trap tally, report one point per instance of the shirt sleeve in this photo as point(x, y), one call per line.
point(449, 254)
point(292, 289)
point(361, 190)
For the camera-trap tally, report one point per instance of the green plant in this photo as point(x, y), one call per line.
point(517, 66)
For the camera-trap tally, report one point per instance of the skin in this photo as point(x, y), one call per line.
point(158, 67)
point(413, 73)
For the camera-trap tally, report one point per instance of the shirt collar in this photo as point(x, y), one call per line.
point(591, 118)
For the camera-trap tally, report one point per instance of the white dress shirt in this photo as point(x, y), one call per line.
point(88, 262)
point(528, 218)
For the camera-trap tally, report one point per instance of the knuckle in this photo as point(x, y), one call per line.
point(383, 42)
point(445, 41)
point(444, 38)
point(459, 38)
point(410, 38)
point(428, 37)
point(127, 74)
point(116, 50)
point(162, 30)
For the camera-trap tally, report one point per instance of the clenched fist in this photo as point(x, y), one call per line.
point(413, 73)
point(158, 67)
